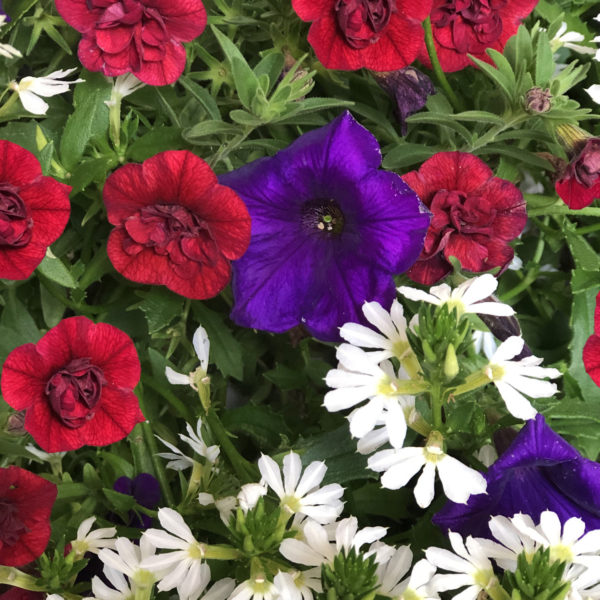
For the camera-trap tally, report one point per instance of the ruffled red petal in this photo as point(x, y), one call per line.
point(311, 10)
point(24, 376)
point(185, 20)
point(575, 195)
point(77, 14)
point(429, 271)
point(18, 166)
point(164, 71)
point(591, 358)
point(20, 263)
point(454, 171)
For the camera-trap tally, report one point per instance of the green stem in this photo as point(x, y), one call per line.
point(244, 469)
point(472, 382)
point(15, 578)
point(559, 208)
point(587, 229)
point(114, 119)
point(436, 405)
point(229, 147)
point(437, 67)
point(521, 286)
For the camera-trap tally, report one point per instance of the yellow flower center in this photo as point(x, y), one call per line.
point(196, 551)
point(561, 553)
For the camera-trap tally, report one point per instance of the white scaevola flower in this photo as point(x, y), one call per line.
point(316, 549)
point(180, 461)
point(31, 88)
point(300, 492)
point(258, 588)
point(183, 565)
point(466, 298)
point(250, 494)
point(126, 559)
point(297, 585)
point(119, 588)
point(220, 589)
point(123, 85)
point(7, 50)
point(390, 339)
point(201, 345)
point(484, 342)
point(513, 378)
point(400, 465)
point(470, 567)
point(568, 39)
point(568, 542)
point(357, 380)
point(594, 92)
point(415, 587)
point(93, 541)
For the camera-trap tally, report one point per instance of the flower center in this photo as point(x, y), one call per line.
point(361, 21)
point(561, 553)
point(11, 527)
point(74, 392)
point(466, 214)
point(15, 222)
point(174, 231)
point(291, 503)
point(475, 24)
point(323, 215)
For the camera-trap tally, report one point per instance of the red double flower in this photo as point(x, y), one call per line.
point(76, 385)
point(26, 502)
point(475, 215)
point(462, 27)
point(142, 37)
point(175, 225)
point(381, 35)
point(34, 211)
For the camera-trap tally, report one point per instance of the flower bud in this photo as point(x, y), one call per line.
point(538, 100)
point(450, 363)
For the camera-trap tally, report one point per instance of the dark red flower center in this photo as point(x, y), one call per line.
point(361, 21)
point(173, 231)
point(323, 215)
point(139, 27)
point(74, 392)
point(586, 168)
point(11, 527)
point(475, 24)
point(15, 221)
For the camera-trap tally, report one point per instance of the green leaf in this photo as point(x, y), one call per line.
point(521, 156)
point(584, 280)
point(478, 116)
point(404, 155)
point(271, 66)
point(225, 350)
point(121, 502)
point(246, 82)
point(584, 255)
point(245, 118)
point(160, 307)
point(204, 128)
point(54, 269)
point(496, 76)
point(88, 120)
point(443, 121)
point(53, 309)
point(544, 61)
point(88, 171)
point(286, 378)
point(69, 491)
point(261, 423)
point(157, 140)
point(582, 325)
point(202, 95)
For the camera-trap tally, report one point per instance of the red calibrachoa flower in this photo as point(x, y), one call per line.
point(591, 350)
point(34, 211)
point(76, 385)
point(462, 27)
point(26, 502)
point(142, 37)
point(381, 35)
point(475, 215)
point(175, 225)
point(579, 185)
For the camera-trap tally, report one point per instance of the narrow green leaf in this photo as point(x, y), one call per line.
point(88, 120)
point(54, 269)
point(205, 128)
point(544, 61)
point(404, 155)
point(202, 95)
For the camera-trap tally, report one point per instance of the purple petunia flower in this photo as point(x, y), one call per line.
point(146, 492)
point(328, 232)
point(539, 471)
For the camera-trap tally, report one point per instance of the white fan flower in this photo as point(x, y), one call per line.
point(201, 345)
point(258, 588)
point(400, 465)
point(183, 565)
point(123, 85)
point(7, 50)
point(513, 378)
point(300, 492)
point(298, 585)
point(31, 88)
point(119, 588)
point(570, 39)
point(249, 495)
point(594, 92)
point(466, 298)
point(316, 549)
point(469, 566)
point(93, 541)
point(414, 587)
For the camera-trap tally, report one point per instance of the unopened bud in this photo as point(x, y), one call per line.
point(15, 424)
point(450, 363)
point(538, 100)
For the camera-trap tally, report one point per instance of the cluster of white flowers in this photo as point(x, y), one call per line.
point(470, 565)
point(390, 408)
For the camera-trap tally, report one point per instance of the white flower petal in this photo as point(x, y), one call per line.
point(201, 345)
point(425, 489)
point(175, 378)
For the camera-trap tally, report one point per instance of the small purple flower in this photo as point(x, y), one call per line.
point(539, 471)
point(329, 230)
point(146, 492)
point(410, 89)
